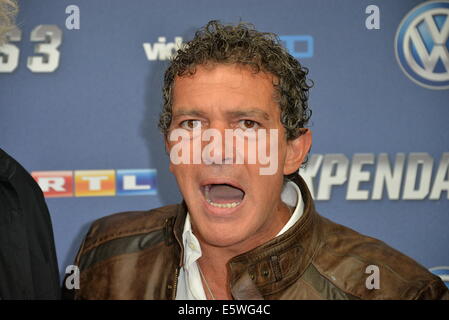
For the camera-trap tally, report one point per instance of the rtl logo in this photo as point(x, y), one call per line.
point(95, 183)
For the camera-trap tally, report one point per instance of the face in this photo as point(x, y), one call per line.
point(233, 205)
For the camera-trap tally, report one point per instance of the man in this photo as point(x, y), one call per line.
point(28, 263)
point(247, 229)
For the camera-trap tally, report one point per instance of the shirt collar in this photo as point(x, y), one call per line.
point(291, 195)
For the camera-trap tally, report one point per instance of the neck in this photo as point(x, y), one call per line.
point(214, 259)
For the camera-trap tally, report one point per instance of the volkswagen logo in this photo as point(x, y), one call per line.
point(422, 42)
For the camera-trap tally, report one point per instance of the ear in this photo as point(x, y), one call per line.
point(297, 150)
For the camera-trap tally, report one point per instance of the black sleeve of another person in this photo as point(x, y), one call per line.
point(28, 263)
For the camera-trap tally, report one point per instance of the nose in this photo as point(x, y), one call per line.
point(217, 149)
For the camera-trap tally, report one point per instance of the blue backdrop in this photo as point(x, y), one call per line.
point(99, 108)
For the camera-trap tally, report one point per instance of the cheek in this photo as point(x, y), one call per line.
point(183, 174)
point(282, 156)
point(264, 188)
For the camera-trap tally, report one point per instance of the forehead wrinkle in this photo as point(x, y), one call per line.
point(196, 87)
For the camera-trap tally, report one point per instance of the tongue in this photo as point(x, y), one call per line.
point(223, 193)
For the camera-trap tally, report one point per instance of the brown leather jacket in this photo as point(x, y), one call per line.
point(137, 255)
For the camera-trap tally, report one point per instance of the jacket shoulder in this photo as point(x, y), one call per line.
point(368, 268)
point(116, 247)
point(125, 224)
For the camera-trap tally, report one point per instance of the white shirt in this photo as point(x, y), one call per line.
point(190, 286)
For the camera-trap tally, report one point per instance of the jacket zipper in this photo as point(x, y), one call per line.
point(175, 283)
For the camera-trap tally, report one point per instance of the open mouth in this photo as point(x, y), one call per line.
point(223, 195)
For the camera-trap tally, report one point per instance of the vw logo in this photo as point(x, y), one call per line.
point(422, 42)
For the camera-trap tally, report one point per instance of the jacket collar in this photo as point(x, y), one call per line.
point(273, 265)
point(7, 166)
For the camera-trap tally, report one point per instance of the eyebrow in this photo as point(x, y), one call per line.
point(232, 114)
point(249, 113)
point(189, 112)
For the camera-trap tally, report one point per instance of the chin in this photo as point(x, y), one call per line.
point(222, 237)
point(223, 241)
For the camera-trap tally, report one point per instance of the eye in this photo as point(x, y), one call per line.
point(248, 124)
point(190, 124)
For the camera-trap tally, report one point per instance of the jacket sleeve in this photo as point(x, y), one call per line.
point(436, 290)
point(67, 292)
point(28, 262)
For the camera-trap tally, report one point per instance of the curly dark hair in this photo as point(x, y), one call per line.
point(243, 44)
